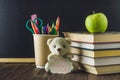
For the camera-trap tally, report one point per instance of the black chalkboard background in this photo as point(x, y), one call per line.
point(16, 41)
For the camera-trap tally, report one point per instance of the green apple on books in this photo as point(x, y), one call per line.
point(96, 22)
point(98, 53)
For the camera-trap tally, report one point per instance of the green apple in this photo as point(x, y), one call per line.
point(96, 23)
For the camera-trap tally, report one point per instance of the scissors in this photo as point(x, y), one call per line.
point(35, 27)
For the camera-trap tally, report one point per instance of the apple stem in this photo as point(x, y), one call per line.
point(93, 12)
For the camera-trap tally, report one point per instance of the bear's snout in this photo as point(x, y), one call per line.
point(59, 49)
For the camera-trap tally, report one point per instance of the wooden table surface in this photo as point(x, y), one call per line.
point(30, 72)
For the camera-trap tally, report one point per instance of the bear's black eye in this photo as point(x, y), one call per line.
point(64, 46)
point(54, 46)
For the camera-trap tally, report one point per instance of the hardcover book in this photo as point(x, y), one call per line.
point(100, 61)
point(97, 46)
point(93, 38)
point(100, 70)
point(97, 53)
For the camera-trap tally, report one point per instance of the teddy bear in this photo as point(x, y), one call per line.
point(59, 60)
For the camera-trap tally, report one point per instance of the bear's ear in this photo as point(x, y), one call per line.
point(68, 40)
point(49, 41)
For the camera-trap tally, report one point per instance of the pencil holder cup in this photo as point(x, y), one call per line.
point(41, 49)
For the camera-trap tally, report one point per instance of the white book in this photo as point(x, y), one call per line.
point(96, 46)
point(100, 61)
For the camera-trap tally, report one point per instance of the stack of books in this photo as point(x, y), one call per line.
point(98, 53)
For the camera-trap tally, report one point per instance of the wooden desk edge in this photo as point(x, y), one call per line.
point(17, 60)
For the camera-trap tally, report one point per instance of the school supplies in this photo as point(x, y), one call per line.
point(53, 31)
point(45, 30)
point(36, 26)
point(49, 28)
point(57, 23)
point(35, 29)
point(98, 53)
point(33, 17)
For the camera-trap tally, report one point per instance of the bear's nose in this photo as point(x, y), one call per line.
point(59, 49)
